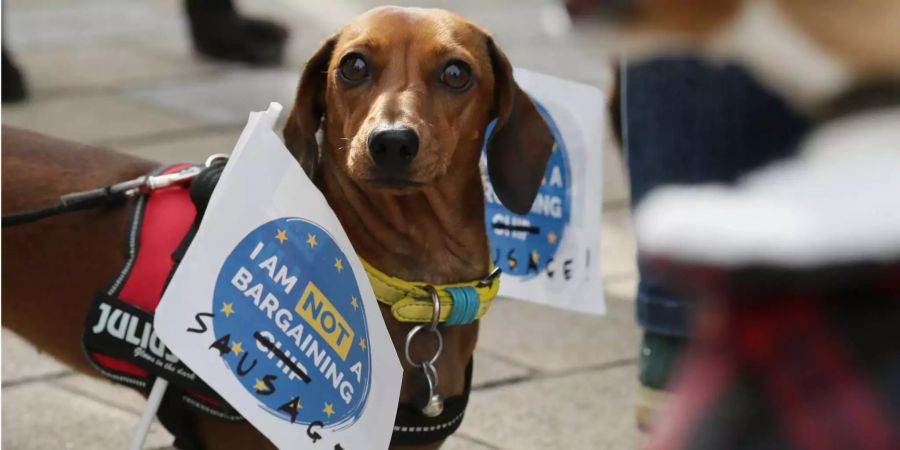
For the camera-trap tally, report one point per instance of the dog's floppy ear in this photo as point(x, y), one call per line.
point(309, 107)
point(521, 142)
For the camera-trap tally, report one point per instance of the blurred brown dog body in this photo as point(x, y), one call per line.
point(807, 51)
point(403, 98)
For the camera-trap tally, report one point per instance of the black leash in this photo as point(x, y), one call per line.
point(95, 198)
point(103, 196)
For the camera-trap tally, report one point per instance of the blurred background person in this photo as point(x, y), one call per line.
point(773, 75)
point(686, 121)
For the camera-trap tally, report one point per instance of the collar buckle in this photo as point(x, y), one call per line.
point(489, 279)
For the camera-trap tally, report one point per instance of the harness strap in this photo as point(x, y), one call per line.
point(411, 302)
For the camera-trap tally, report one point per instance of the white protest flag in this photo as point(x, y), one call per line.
point(552, 255)
point(271, 307)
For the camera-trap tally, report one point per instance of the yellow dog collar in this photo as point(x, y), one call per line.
point(410, 301)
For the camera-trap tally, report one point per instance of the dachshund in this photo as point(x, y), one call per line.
point(389, 122)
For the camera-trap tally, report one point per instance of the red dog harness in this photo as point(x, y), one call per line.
point(118, 338)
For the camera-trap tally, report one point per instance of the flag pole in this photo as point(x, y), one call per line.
point(153, 401)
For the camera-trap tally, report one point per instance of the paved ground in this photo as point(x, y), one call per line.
point(121, 74)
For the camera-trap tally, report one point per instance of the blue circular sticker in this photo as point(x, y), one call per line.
point(289, 323)
point(523, 245)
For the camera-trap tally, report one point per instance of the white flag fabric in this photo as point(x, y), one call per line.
point(272, 308)
point(552, 255)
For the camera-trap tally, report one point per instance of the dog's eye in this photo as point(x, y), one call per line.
point(456, 75)
point(354, 68)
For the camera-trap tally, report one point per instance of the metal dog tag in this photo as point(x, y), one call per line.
point(435, 406)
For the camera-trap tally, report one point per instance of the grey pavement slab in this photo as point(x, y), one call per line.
point(44, 417)
point(558, 60)
point(96, 119)
point(194, 148)
point(551, 340)
point(621, 288)
point(29, 25)
point(22, 361)
point(102, 390)
point(54, 71)
point(226, 99)
point(591, 410)
point(461, 442)
point(615, 175)
point(490, 368)
point(618, 249)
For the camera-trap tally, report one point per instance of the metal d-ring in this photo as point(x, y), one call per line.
point(432, 327)
point(435, 307)
point(409, 338)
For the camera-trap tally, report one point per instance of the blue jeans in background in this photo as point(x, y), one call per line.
point(686, 121)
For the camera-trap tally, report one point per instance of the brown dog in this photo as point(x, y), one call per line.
point(402, 97)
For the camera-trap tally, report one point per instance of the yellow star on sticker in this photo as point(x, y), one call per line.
point(228, 309)
point(354, 302)
point(362, 343)
point(328, 410)
point(281, 236)
point(260, 386)
point(311, 240)
point(552, 237)
point(535, 256)
point(338, 264)
point(237, 348)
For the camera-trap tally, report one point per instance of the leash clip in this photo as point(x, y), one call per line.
point(149, 183)
point(160, 181)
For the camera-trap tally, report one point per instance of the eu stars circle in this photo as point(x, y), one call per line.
point(289, 323)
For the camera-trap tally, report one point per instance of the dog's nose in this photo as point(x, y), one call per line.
point(394, 148)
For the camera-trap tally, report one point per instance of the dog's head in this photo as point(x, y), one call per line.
point(404, 95)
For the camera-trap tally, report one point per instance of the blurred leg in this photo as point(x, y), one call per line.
point(13, 83)
point(220, 32)
point(14, 89)
point(688, 122)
